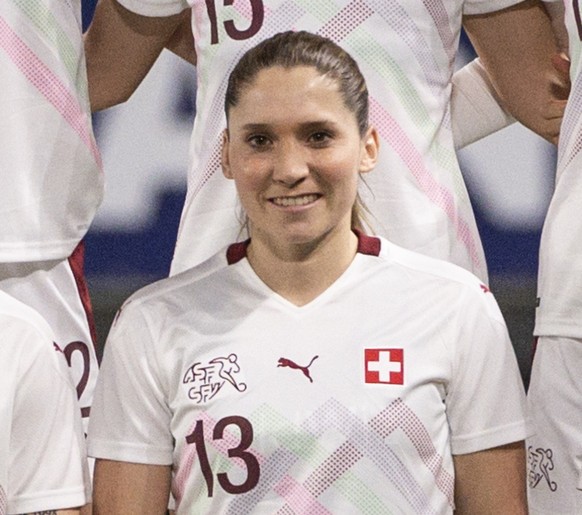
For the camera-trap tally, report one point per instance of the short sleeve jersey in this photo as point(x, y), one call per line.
point(559, 311)
point(406, 51)
point(48, 156)
point(43, 462)
point(355, 402)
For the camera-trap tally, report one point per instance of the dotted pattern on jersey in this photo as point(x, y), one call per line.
point(306, 448)
point(438, 12)
point(48, 84)
point(570, 145)
point(3, 501)
point(438, 194)
point(57, 39)
point(399, 416)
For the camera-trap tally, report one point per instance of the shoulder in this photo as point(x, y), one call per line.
point(442, 279)
point(178, 293)
point(20, 320)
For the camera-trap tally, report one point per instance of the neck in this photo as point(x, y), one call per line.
point(302, 272)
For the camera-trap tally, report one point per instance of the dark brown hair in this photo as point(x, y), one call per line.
point(291, 49)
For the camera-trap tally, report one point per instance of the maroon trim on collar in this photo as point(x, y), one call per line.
point(369, 245)
point(237, 251)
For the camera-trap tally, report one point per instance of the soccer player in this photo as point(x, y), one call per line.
point(43, 466)
point(52, 176)
point(311, 368)
point(555, 392)
point(406, 51)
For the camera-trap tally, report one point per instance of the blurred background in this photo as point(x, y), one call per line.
point(144, 145)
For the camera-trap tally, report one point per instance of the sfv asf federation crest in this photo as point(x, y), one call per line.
point(206, 380)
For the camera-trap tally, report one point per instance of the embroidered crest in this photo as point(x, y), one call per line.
point(207, 380)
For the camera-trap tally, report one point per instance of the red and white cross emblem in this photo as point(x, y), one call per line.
point(385, 366)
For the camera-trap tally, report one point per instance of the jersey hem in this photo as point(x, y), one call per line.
point(65, 499)
point(38, 251)
point(493, 438)
point(485, 7)
point(127, 452)
point(153, 9)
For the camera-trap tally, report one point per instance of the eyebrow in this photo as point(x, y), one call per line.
point(304, 126)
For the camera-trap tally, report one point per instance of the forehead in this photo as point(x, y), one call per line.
point(289, 92)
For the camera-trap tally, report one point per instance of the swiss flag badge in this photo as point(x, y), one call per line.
point(384, 366)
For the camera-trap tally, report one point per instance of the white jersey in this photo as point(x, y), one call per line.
point(559, 311)
point(354, 402)
point(406, 51)
point(42, 447)
point(53, 182)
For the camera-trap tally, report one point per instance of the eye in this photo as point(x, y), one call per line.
point(258, 141)
point(320, 138)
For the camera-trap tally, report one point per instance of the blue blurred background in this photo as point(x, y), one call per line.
point(144, 144)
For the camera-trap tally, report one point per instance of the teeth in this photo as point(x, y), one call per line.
point(294, 201)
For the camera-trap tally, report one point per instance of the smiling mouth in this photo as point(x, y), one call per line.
point(302, 200)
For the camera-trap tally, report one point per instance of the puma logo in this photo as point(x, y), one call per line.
point(284, 362)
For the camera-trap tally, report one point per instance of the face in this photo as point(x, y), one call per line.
point(295, 153)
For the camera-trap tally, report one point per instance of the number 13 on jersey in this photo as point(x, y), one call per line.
point(249, 461)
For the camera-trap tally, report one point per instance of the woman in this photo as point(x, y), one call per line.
point(311, 369)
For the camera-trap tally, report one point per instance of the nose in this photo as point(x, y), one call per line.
point(290, 166)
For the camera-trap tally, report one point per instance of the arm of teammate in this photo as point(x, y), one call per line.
point(516, 46)
point(491, 481)
point(476, 109)
point(121, 488)
point(121, 47)
point(182, 41)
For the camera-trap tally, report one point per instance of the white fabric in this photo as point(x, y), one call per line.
point(42, 446)
point(187, 353)
point(406, 51)
point(52, 178)
point(475, 109)
point(555, 450)
point(51, 289)
point(554, 398)
point(560, 274)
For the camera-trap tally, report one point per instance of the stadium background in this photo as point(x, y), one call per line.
point(144, 144)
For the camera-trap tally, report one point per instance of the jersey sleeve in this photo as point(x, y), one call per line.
point(130, 417)
point(487, 6)
point(153, 8)
point(47, 466)
point(486, 401)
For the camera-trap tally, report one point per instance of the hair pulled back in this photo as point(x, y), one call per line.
point(291, 49)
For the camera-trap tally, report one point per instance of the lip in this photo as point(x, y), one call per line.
point(295, 201)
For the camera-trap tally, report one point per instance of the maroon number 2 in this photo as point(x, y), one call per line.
point(240, 451)
point(258, 15)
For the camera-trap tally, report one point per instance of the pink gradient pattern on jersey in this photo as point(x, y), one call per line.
point(399, 416)
point(413, 159)
point(298, 498)
point(48, 84)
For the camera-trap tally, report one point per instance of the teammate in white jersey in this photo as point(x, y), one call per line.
point(42, 447)
point(406, 51)
point(53, 182)
point(310, 369)
point(555, 392)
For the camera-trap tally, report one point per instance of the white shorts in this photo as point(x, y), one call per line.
point(57, 290)
point(555, 410)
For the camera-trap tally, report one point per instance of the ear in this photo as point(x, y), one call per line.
point(371, 146)
point(225, 156)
